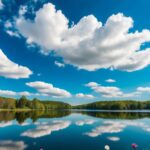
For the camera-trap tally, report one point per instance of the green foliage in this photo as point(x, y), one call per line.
point(55, 105)
point(24, 103)
point(7, 103)
point(116, 105)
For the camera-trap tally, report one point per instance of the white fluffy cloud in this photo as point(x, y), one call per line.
point(89, 44)
point(46, 129)
point(59, 64)
point(12, 145)
point(110, 91)
point(48, 89)
point(110, 80)
point(116, 92)
point(7, 93)
point(10, 69)
point(13, 93)
point(143, 89)
point(81, 95)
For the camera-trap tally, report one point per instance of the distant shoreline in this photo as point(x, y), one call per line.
point(113, 111)
point(24, 104)
point(78, 110)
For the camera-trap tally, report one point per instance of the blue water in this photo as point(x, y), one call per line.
point(74, 130)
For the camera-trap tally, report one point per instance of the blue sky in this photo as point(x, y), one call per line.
point(69, 50)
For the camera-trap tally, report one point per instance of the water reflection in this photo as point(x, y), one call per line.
point(12, 145)
point(116, 115)
point(74, 130)
point(113, 138)
point(116, 127)
point(7, 116)
point(20, 117)
point(5, 124)
point(46, 128)
point(84, 122)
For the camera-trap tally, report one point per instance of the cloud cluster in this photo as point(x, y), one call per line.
point(143, 89)
point(48, 89)
point(12, 145)
point(13, 93)
point(82, 95)
point(10, 69)
point(88, 44)
point(110, 91)
point(46, 128)
point(10, 30)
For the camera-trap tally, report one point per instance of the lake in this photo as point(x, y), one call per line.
point(76, 130)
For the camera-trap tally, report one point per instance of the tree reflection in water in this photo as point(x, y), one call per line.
point(6, 116)
point(34, 115)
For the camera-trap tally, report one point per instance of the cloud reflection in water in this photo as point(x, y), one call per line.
point(116, 127)
point(46, 128)
point(12, 145)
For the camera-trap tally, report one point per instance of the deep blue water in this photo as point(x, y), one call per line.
point(74, 130)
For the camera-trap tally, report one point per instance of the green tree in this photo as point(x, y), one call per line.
point(22, 102)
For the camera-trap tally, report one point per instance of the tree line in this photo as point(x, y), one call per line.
point(24, 103)
point(116, 105)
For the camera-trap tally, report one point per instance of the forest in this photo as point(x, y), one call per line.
point(116, 105)
point(24, 103)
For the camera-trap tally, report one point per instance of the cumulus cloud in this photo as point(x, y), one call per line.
point(47, 128)
point(7, 93)
point(84, 122)
point(48, 89)
point(81, 95)
point(143, 89)
point(12, 145)
point(110, 80)
point(13, 93)
point(59, 64)
point(110, 91)
point(10, 69)
point(88, 44)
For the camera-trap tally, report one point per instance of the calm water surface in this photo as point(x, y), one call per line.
point(65, 130)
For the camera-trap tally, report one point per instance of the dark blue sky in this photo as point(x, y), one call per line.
point(69, 77)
